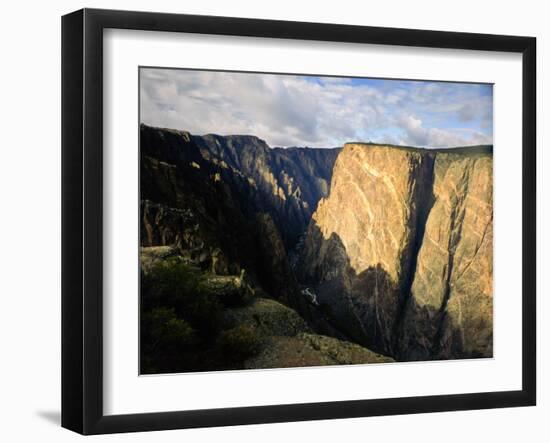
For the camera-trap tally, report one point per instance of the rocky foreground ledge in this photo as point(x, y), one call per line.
point(252, 332)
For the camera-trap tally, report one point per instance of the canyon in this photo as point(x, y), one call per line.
point(375, 253)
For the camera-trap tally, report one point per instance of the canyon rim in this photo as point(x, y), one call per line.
point(293, 220)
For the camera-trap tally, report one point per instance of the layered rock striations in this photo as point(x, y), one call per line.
point(290, 180)
point(400, 252)
point(453, 276)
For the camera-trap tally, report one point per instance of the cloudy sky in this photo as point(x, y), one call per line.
point(291, 110)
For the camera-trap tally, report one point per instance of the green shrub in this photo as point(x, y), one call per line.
point(166, 340)
point(240, 342)
point(169, 283)
point(182, 311)
point(167, 329)
point(172, 284)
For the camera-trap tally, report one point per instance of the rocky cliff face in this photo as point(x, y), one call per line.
point(230, 203)
point(454, 271)
point(400, 252)
point(290, 181)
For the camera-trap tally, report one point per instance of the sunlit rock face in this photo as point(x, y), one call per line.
point(400, 252)
point(455, 264)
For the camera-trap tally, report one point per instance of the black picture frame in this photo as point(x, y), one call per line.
point(82, 218)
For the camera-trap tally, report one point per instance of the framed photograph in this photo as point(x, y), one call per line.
point(268, 221)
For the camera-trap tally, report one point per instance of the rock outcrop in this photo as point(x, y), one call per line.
point(400, 252)
point(195, 320)
point(312, 350)
point(268, 318)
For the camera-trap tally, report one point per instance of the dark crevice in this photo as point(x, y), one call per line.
point(423, 200)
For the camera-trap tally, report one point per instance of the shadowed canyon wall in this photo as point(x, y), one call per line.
point(290, 180)
point(230, 203)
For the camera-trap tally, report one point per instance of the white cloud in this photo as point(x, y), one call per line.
point(417, 135)
point(314, 111)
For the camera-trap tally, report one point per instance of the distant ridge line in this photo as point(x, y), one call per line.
point(470, 149)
